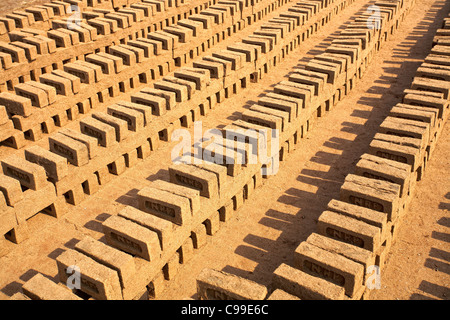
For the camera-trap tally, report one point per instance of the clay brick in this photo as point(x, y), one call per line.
point(104, 133)
point(62, 85)
point(330, 266)
point(97, 280)
point(263, 119)
point(189, 85)
point(165, 205)
point(216, 69)
point(169, 41)
point(288, 107)
point(29, 174)
point(172, 267)
point(107, 65)
point(192, 195)
point(310, 81)
point(207, 21)
point(37, 96)
point(319, 66)
point(90, 142)
point(169, 96)
point(219, 285)
point(118, 62)
point(6, 60)
point(252, 52)
point(16, 104)
point(349, 230)
point(186, 251)
point(110, 257)
point(374, 194)
point(195, 26)
point(374, 167)
point(426, 101)
point(120, 126)
point(212, 224)
point(74, 151)
point(42, 288)
point(162, 227)
point(195, 178)
point(129, 57)
point(134, 119)
point(11, 190)
point(227, 65)
point(30, 50)
point(279, 294)
point(138, 52)
point(201, 80)
point(406, 128)
point(431, 85)
point(54, 165)
point(87, 75)
point(400, 149)
point(305, 286)
point(50, 91)
point(237, 59)
point(184, 34)
point(199, 236)
point(273, 112)
point(132, 238)
point(157, 104)
point(144, 110)
point(417, 113)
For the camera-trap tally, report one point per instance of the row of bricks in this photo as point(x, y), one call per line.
point(134, 240)
point(322, 247)
point(41, 16)
point(79, 37)
point(187, 179)
point(79, 148)
point(377, 185)
point(102, 60)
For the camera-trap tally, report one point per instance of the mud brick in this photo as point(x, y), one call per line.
point(90, 142)
point(138, 52)
point(6, 60)
point(172, 267)
point(9, 23)
point(117, 61)
point(349, 230)
point(11, 190)
point(86, 74)
point(49, 91)
point(374, 167)
point(280, 105)
point(227, 65)
point(433, 73)
point(122, 20)
point(103, 28)
point(157, 104)
point(145, 111)
point(148, 49)
point(308, 90)
point(438, 50)
point(62, 39)
point(236, 58)
point(310, 81)
point(305, 286)
point(129, 57)
point(97, 280)
point(320, 67)
point(74, 36)
point(206, 20)
point(162, 227)
point(15, 104)
point(19, 296)
point(266, 44)
point(110, 257)
point(354, 253)
point(186, 251)
point(199, 236)
point(29, 174)
point(219, 285)
point(279, 294)
point(374, 194)
point(286, 99)
point(438, 59)
point(416, 113)
point(427, 101)
point(195, 26)
point(30, 50)
point(156, 45)
point(217, 70)
point(351, 50)
point(330, 266)
point(106, 65)
point(168, 40)
point(42, 288)
point(263, 119)
point(192, 195)
point(252, 52)
point(277, 113)
point(54, 165)
point(212, 224)
point(184, 34)
point(19, 234)
point(195, 178)
point(289, 22)
point(73, 150)
point(274, 26)
point(132, 238)
point(104, 133)
point(134, 119)
point(274, 34)
point(406, 128)
point(38, 97)
point(165, 205)
point(190, 85)
point(433, 85)
point(120, 126)
point(20, 21)
point(62, 85)
point(400, 149)
point(181, 91)
point(294, 92)
point(201, 80)
point(137, 14)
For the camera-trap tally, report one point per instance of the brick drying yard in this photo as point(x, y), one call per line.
point(96, 95)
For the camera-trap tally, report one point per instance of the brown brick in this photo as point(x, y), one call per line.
point(42, 288)
point(195, 178)
point(29, 174)
point(55, 166)
point(104, 133)
point(74, 151)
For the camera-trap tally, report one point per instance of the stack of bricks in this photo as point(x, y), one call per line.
point(78, 162)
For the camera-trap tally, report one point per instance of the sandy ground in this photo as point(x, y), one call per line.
point(282, 213)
